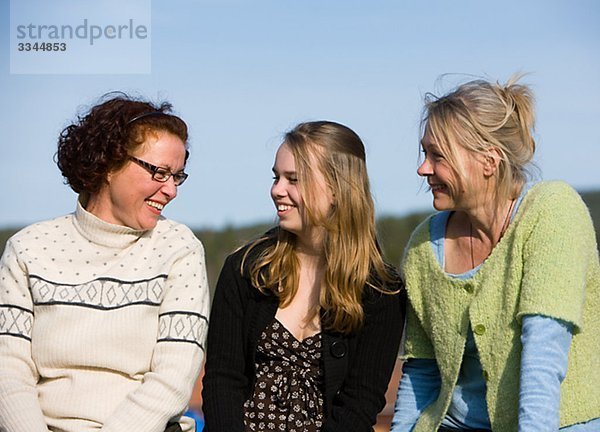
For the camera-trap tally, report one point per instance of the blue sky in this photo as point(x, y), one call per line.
point(242, 73)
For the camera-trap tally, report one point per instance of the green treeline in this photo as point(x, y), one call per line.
point(394, 233)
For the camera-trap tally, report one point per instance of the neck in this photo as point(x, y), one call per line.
point(489, 223)
point(472, 235)
point(311, 245)
point(310, 258)
point(312, 270)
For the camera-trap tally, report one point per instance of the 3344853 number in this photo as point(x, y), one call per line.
point(42, 46)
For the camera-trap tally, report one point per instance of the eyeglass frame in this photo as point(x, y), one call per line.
point(165, 173)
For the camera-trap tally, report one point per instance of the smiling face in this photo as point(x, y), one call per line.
point(451, 190)
point(288, 199)
point(131, 197)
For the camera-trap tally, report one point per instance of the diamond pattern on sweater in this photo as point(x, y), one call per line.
point(16, 321)
point(182, 327)
point(101, 293)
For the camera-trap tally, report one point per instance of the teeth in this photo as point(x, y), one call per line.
point(436, 187)
point(154, 204)
point(282, 207)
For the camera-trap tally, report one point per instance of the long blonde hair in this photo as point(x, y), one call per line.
point(491, 119)
point(353, 257)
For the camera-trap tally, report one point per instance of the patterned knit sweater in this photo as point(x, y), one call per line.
point(101, 327)
point(546, 264)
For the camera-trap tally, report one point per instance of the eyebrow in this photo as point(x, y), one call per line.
point(429, 145)
point(286, 173)
point(168, 168)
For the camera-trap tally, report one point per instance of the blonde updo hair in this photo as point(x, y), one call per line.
point(486, 118)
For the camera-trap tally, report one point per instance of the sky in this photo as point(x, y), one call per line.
point(242, 73)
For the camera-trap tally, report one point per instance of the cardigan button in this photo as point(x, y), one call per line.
point(468, 288)
point(486, 375)
point(479, 329)
point(338, 349)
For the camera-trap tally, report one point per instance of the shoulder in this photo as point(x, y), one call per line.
point(553, 219)
point(235, 271)
point(176, 234)
point(234, 280)
point(38, 231)
point(555, 201)
point(419, 244)
point(244, 256)
point(421, 233)
point(425, 223)
point(550, 192)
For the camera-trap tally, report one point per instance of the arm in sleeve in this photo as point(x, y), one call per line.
point(416, 342)
point(419, 387)
point(19, 405)
point(225, 381)
point(556, 257)
point(362, 394)
point(544, 362)
point(178, 354)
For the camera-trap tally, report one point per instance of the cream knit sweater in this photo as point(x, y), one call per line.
point(102, 327)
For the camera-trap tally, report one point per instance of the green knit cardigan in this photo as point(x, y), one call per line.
point(546, 264)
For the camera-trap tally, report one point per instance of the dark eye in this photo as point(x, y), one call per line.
point(433, 154)
point(161, 175)
point(293, 180)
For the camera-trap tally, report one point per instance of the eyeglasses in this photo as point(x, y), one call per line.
point(161, 174)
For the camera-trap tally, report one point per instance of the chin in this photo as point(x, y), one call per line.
point(149, 226)
point(441, 206)
point(288, 228)
point(146, 225)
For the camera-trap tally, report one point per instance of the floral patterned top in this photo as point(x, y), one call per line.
point(288, 393)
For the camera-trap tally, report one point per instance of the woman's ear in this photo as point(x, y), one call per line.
point(491, 162)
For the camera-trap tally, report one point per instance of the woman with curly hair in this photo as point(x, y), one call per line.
point(503, 330)
point(306, 320)
point(103, 312)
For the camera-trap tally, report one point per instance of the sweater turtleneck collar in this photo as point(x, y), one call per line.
point(103, 233)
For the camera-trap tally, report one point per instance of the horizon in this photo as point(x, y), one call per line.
point(252, 224)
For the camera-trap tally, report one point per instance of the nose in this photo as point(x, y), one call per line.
point(425, 169)
point(277, 189)
point(169, 188)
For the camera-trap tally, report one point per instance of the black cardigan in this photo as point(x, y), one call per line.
point(357, 367)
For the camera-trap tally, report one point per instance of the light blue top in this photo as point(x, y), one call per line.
point(468, 408)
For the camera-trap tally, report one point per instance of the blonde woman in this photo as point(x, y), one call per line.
point(304, 329)
point(503, 330)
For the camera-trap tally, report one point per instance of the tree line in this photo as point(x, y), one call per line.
point(393, 232)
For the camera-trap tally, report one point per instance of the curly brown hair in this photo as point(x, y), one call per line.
point(101, 141)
